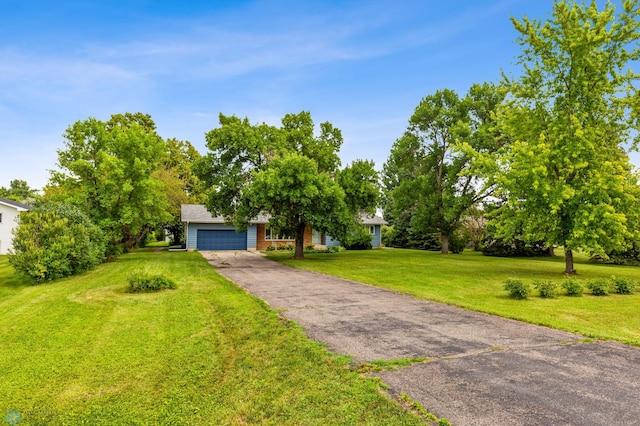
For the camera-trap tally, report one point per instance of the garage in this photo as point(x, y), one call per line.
point(221, 240)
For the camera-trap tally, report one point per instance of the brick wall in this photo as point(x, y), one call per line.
point(262, 244)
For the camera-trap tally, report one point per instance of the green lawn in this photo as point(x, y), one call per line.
point(476, 282)
point(82, 351)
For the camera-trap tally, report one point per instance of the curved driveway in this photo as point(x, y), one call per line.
point(481, 369)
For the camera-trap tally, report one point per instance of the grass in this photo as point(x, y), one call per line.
point(476, 282)
point(83, 351)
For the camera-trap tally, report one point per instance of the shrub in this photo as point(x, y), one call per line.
point(599, 287)
point(54, 241)
point(140, 282)
point(547, 289)
point(517, 248)
point(359, 239)
point(517, 289)
point(622, 285)
point(310, 247)
point(386, 235)
point(572, 287)
point(271, 247)
point(282, 246)
point(290, 247)
point(630, 256)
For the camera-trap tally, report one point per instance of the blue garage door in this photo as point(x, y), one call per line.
point(221, 240)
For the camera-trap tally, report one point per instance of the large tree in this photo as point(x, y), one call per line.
point(288, 172)
point(566, 176)
point(180, 184)
point(428, 186)
point(107, 169)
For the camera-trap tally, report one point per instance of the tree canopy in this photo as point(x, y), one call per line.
point(107, 169)
point(179, 183)
point(427, 189)
point(19, 190)
point(566, 177)
point(287, 172)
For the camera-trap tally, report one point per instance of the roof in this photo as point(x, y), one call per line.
point(372, 220)
point(199, 213)
point(19, 206)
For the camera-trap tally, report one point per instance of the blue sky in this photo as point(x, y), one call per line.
point(362, 65)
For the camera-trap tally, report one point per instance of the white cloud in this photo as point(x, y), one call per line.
point(23, 74)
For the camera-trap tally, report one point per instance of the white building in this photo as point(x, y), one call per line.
point(9, 214)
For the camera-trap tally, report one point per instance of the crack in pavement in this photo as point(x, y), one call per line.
point(483, 370)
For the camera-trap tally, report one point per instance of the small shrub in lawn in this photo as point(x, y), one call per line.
point(622, 285)
point(599, 287)
point(517, 289)
point(141, 282)
point(271, 247)
point(547, 289)
point(282, 246)
point(573, 287)
point(310, 247)
point(291, 247)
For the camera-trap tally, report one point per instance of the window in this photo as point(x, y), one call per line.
point(0, 217)
point(371, 229)
point(270, 234)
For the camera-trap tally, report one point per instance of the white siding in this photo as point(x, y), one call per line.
point(9, 215)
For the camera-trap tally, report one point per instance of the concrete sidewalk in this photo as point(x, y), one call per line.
point(482, 369)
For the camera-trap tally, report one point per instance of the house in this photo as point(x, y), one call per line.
point(204, 232)
point(9, 213)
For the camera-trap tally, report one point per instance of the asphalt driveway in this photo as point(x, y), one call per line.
point(481, 369)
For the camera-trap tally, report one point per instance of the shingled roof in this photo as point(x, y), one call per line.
point(21, 207)
point(199, 213)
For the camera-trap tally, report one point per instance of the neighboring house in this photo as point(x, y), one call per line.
point(9, 213)
point(204, 232)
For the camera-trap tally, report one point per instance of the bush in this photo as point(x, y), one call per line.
point(517, 289)
point(516, 248)
point(359, 239)
point(55, 241)
point(405, 236)
point(290, 247)
point(386, 235)
point(271, 247)
point(141, 282)
point(630, 257)
point(599, 287)
point(310, 247)
point(573, 287)
point(547, 289)
point(457, 243)
point(622, 285)
point(282, 246)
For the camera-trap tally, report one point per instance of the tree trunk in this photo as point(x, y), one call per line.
point(445, 243)
point(568, 262)
point(299, 234)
